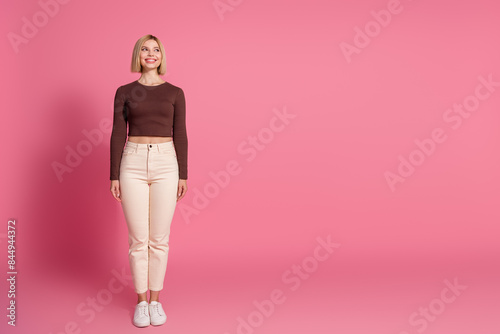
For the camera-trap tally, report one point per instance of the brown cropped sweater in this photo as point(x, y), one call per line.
point(149, 111)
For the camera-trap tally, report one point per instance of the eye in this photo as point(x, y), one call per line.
point(144, 49)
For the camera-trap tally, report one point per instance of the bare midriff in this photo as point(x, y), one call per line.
point(149, 139)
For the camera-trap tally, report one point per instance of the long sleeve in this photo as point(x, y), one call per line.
point(118, 135)
point(179, 135)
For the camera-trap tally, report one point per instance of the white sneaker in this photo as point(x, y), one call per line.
point(158, 316)
point(141, 315)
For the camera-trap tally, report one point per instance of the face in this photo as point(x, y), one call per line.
point(150, 55)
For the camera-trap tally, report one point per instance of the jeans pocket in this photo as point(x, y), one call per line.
point(169, 152)
point(128, 151)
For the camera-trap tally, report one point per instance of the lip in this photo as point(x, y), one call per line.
point(147, 59)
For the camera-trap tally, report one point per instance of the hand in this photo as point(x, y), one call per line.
point(181, 189)
point(115, 190)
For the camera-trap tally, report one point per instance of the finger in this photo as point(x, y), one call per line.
point(116, 195)
point(181, 195)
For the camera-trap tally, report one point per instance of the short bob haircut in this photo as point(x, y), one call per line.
point(136, 59)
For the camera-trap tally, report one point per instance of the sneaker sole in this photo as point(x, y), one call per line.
point(145, 324)
point(158, 323)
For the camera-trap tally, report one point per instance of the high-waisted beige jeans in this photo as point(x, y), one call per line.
point(149, 177)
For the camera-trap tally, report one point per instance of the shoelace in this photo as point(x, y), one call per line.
point(155, 310)
point(142, 310)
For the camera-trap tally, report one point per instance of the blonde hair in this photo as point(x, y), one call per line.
point(136, 59)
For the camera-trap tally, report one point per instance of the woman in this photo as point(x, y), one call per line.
point(149, 174)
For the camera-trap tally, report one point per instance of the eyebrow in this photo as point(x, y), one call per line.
point(157, 47)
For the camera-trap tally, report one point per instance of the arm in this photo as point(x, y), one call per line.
point(180, 133)
point(118, 135)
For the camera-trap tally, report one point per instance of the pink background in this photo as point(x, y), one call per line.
point(322, 174)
